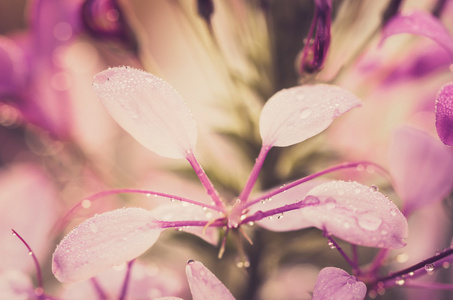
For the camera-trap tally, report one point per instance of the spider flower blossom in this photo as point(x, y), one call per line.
point(157, 116)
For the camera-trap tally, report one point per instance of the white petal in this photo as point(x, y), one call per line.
point(296, 114)
point(150, 109)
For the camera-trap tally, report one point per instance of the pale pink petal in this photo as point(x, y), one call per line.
point(204, 285)
point(355, 213)
point(334, 283)
point(444, 114)
point(16, 285)
point(419, 23)
point(29, 205)
point(290, 220)
point(103, 241)
point(149, 109)
point(296, 114)
point(421, 167)
point(182, 211)
point(146, 282)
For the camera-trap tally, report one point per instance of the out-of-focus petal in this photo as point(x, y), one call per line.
point(149, 109)
point(103, 241)
point(187, 212)
point(16, 285)
point(419, 23)
point(203, 284)
point(421, 167)
point(296, 114)
point(444, 114)
point(26, 194)
point(146, 282)
point(334, 283)
point(13, 66)
point(353, 212)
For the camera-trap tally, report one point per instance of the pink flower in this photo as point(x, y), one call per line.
point(156, 115)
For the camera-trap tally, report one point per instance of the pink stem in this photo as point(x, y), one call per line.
point(98, 288)
point(39, 280)
point(207, 184)
point(136, 191)
point(180, 224)
point(346, 165)
point(126, 280)
point(259, 215)
point(254, 174)
point(354, 266)
point(430, 285)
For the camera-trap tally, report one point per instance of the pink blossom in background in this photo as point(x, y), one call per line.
point(225, 149)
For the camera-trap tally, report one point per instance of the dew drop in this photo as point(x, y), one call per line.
point(280, 216)
point(251, 223)
point(400, 281)
point(384, 232)
point(30, 253)
point(374, 188)
point(331, 245)
point(148, 195)
point(305, 112)
point(340, 192)
point(190, 261)
point(411, 274)
point(429, 268)
point(393, 212)
point(351, 280)
point(93, 228)
point(369, 221)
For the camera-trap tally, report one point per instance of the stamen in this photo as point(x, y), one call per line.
point(40, 285)
point(245, 235)
point(126, 280)
point(222, 246)
point(339, 167)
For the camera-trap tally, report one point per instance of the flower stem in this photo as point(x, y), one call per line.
point(346, 165)
point(126, 280)
point(353, 265)
point(254, 174)
point(207, 184)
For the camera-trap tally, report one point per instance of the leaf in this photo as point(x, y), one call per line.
point(149, 109)
point(419, 23)
point(420, 166)
point(103, 241)
point(444, 114)
point(204, 285)
point(296, 114)
point(334, 283)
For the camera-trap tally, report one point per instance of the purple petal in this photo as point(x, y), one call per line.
point(13, 65)
point(182, 212)
point(149, 109)
point(296, 114)
point(103, 241)
point(421, 167)
point(334, 283)
point(419, 23)
point(203, 284)
point(444, 114)
point(355, 213)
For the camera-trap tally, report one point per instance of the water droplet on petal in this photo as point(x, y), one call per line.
point(351, 280)
point(305, 113)
point(190, 261)
point(86, 203)
point(393, 212)
point(280, 216)
point(93, 228)
point(369, 221)
point(374, 188)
